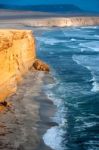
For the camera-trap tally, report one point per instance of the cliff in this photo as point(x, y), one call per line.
point(61, 21)
point(17, 53)
point(17, 56)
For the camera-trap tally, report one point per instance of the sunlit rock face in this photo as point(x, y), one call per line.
point(63, 22)
point(17, 54)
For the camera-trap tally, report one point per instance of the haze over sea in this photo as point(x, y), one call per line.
point(73, 54)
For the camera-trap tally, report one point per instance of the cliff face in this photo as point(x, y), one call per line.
point(17, 54)
point(62, 22)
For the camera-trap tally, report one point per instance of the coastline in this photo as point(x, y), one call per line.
point(53, 21)
point(46, 112)
point(61, 21)
point(29, 116)
point(23, 124)
point(46, 19)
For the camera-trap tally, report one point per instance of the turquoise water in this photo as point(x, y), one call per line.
point(73, 54)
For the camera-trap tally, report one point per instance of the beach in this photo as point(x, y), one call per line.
point(26, 120)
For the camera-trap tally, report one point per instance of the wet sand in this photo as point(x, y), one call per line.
point(23, 124)
point(46, 112)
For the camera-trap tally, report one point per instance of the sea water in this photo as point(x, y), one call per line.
point(73, 55)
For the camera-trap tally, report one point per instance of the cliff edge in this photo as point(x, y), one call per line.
point(61, 21)
point(17, 56)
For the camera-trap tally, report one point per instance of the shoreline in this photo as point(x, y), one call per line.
point(61, 21)
point(47, 110)
point(47, 19)
point(22, 119)
point(23, 125)
point(53, 22)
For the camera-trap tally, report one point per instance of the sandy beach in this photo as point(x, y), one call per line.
point(23, 124)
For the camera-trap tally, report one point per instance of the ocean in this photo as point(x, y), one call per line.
point(73, 56)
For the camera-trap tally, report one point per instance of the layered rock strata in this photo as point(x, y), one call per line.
point(17, 55)
point(61, 21)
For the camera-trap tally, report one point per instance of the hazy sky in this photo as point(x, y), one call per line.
point(85, 4)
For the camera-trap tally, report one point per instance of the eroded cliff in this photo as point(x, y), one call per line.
point(61, 21)
point(17, 54)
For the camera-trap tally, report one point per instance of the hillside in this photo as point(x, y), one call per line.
point(45, 8)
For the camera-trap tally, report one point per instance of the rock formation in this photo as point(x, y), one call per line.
point(61, 21)
point(40, 65)
point(17, 55)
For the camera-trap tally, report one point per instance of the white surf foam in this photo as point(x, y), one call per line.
point(49, 41)
point(93, 46)
point(83, 61)
point(76, 60)
point(90, 27)
point(95, 84)
point(54, 99)
point(53, 138)
point(95, 87)
point(73, 39)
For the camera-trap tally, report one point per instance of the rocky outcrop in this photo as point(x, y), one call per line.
point(40, 65)
point(17, 54)
point(62, 21)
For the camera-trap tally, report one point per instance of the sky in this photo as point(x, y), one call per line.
point(90, 5)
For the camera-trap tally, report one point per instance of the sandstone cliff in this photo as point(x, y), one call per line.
point(17, 53)
point(17, 56)
point(61, 21)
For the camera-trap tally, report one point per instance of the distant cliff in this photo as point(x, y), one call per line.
point(17, 56)
point(61, 22)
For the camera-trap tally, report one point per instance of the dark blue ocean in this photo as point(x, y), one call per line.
point(73, 55)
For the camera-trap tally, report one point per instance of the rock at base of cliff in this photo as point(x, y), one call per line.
point(40, 65)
